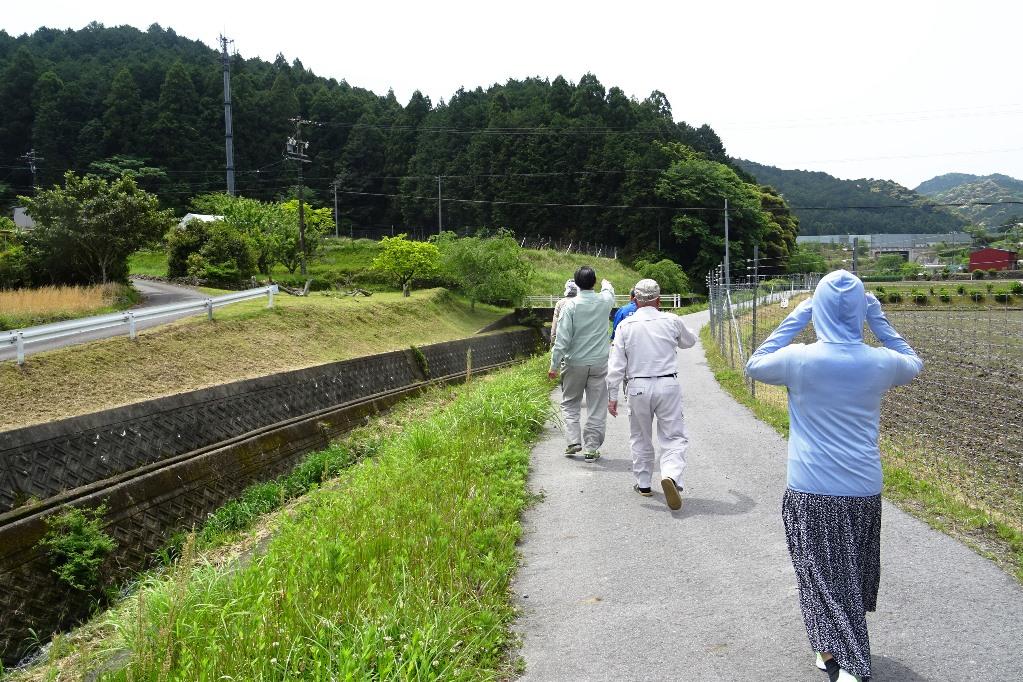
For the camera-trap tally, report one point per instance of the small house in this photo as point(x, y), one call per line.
point(189, 217)
point(992, 259)
point(22, 219)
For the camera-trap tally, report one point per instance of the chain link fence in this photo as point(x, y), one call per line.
point(958, 426)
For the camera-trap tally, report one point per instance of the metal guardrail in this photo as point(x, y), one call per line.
point(19, 338)
point(667, 301)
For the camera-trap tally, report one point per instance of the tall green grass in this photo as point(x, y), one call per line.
point(398, 570)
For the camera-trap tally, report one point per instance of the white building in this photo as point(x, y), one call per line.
point(189, 217)
point(22, 219)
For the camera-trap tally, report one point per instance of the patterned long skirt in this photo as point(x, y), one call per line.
point(835, 545)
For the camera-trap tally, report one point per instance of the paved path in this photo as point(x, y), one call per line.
point(153, 293)
point(615, 586)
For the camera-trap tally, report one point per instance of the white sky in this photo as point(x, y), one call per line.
point(897, 89)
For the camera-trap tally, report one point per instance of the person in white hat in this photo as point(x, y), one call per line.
point(643, 355)
point(571, 290)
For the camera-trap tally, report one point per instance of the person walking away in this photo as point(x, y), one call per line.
point(623, 312)
point(644, 355)
point(570, 292)
point(832, 503)
point(581, 344)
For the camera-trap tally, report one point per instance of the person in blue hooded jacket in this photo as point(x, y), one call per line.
point(832, 503)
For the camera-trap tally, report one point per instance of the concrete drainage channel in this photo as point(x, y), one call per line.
point(168, 491)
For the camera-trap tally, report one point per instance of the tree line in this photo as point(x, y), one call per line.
point(549, 158)
point(879, 206)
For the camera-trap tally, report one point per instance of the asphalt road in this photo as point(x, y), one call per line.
point(154, 294)
point(614, 586)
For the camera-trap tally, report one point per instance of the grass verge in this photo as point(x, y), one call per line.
point(396, 569)
point(344, 259)
point(245, 340)
point(914, 489)
point(20, 308)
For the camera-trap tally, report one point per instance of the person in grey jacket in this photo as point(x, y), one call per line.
point(571, 291)
point(832, 503)
point(580, 355)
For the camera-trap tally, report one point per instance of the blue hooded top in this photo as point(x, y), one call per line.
point(835, 386)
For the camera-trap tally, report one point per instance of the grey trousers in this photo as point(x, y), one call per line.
point(591, 381)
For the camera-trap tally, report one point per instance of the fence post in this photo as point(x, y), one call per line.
point(131, 326)
point(753, 338)
point(20, 344)
point(209, 309)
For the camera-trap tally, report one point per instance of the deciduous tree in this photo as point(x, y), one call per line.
point(86, 230)
point(404, 261)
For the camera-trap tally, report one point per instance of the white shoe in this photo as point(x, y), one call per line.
point(844, 676)
point(820, 663)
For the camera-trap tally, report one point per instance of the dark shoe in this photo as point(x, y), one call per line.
point(671, 493)
point(591, 456)
point(573, 449)
point(832, 669)
point(645, 492)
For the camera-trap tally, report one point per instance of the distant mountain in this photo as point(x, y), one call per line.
point(954, 188)
point(828, 205)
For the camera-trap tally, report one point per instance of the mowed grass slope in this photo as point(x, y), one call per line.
point(245, 340)
point(344, 257)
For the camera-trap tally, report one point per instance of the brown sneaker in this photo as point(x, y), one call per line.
point(671, 493)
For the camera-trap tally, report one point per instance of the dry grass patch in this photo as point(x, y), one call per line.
point(30, 307)
point(244, 341)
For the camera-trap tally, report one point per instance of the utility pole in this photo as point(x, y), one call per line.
point(336, 231)
point(856, 247)
point(728, 275)
point(440, 214)
point(295, 151)
point(228, 129)
point(32, 158)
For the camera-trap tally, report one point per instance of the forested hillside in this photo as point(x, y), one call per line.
point(821, 200)
point(963, 188)
point(571, 160)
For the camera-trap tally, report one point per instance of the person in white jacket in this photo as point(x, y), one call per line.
point(644, 355)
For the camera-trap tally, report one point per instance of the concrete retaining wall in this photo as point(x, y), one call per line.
point(164, 465)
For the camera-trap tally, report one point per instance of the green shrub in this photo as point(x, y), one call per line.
point(978, 274)
point(976, 296)
point(1017, 288)
point(879, 291)
point(894, 297)
point(944, 296)
point(1003, 296)
point(919, 297)
point(961, 290)
point(14, 267)
point(990, 287)
point(213, 251)
point(76, 546)
point(992, 273)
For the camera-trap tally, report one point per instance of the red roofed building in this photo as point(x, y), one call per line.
point(992, 259)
